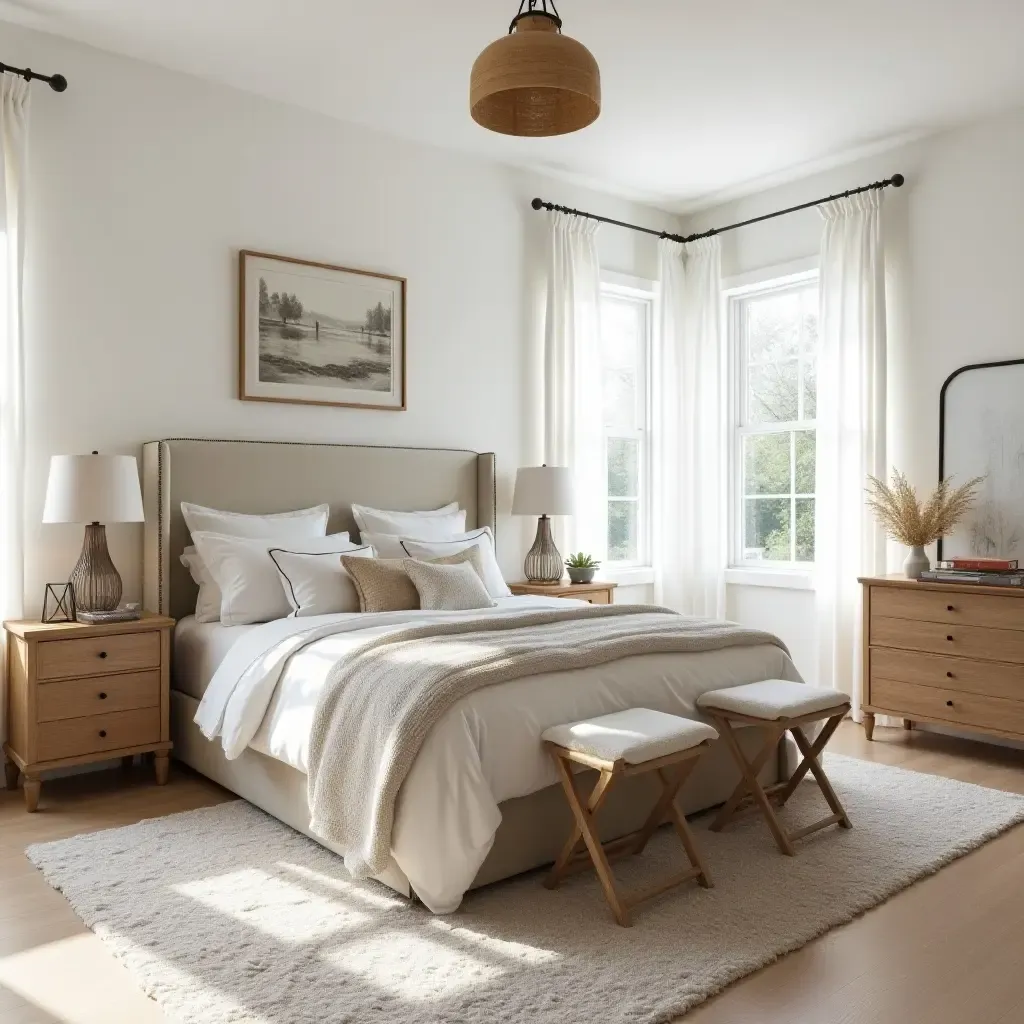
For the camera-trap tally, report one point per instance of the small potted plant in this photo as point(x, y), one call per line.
point(582, 568)
point(903, 516)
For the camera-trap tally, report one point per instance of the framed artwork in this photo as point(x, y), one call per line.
point(320, 335)
point(981, 433)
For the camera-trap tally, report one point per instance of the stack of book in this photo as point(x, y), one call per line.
point(984, 572)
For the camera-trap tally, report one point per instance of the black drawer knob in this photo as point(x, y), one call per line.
point(103, 696)
point(948, 637)
point(949, 703)
point(950, 608)
point(103, 654)
point(103, 732)
point(949, 675)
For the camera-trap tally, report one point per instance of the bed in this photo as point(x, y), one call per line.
point(522, 818)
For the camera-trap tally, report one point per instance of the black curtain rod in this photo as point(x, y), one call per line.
point(58, 83)
point(896, 181)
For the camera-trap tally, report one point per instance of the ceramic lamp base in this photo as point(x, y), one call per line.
point(543, 562)
point(96, 582)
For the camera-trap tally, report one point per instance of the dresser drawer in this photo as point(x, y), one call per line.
point(97, 695)
point(76, 736)
point(937, 638)
point(120, 652)
point(998, 612)
point(990, 678)
point(972, 710)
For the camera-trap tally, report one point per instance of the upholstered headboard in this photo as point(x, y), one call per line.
point(271, 476)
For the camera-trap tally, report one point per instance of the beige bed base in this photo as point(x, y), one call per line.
point(266, 477)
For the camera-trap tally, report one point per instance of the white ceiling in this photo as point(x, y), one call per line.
point(700, 99)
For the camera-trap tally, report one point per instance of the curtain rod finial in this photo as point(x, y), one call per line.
point(898, 180)
point(58, 83)
point(538, 204)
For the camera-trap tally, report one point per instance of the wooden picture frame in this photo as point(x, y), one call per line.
point(981, 433)
point(316, 334)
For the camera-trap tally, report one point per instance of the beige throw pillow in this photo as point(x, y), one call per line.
point(382, 584)
point(448, 588)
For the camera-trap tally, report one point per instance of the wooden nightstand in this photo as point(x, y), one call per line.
point(594, 593)
point(78, 693)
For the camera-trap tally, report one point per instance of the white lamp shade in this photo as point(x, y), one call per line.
point(93, 489)
point(543, 491)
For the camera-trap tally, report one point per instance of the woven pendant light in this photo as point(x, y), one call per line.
point(535, 81)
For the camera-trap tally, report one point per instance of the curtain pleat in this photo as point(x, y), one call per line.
point(574, 428)
point(14, 101)
point(851, 431)
point(689, 439)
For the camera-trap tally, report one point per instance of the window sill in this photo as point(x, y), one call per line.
point(629, 576)
point(784, 579)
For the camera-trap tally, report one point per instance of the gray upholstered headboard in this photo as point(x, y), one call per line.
point(270, 476)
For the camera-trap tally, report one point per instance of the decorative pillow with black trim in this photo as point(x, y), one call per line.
point(318, 583)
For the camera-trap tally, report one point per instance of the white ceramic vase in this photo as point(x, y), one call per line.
point(916, 563)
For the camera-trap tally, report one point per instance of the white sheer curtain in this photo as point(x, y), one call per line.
point(14, 93)
point(573, 421)
point(851, 430)
point(690, 457)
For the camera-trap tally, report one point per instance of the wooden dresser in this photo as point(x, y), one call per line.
point(944, 653)
point(78, 693)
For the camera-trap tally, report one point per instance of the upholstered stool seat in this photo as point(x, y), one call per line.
point(777, 706)
point(618, 745)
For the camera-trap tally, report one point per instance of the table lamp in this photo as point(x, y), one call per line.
point(543, 491)
point(94, 489)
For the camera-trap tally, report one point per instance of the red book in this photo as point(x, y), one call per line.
point(980, 564)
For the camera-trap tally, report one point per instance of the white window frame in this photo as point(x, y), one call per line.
point(639, 571)
point(749, 572)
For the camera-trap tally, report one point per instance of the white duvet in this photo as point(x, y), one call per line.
point(484, 751)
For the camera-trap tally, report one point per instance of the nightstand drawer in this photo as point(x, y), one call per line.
point(120, 652)
point(97, 695)
point(76, 736)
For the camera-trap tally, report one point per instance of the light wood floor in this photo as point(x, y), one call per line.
point(949, 950)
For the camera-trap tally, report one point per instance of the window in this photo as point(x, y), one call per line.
point(627, 316)
point(773, 332)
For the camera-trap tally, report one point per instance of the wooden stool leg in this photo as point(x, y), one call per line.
point(594, 802)
point(669, 788)
point(811, 759)
point(682, 827)
point(601, 865)
point(750, 776)
point(804, 766)
point(754, 767)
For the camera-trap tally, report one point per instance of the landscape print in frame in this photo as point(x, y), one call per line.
point(319, 334)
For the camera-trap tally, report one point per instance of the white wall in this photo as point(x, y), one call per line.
point(954, 268)
point(144, 184)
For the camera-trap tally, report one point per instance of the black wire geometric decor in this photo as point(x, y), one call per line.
point(59, 603)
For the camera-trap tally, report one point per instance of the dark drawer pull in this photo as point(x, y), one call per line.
point(103, 654)
point(949, 675)
point(103, 696)
point(948, 637)
point(103, 732)
point(950, 608)
point(949, 703)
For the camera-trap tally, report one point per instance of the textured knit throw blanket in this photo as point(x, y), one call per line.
point(381, 700)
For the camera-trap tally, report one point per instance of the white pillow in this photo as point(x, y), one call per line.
point(317, 584)
point(493, 580)
point(208, 601)
point(376, 520)
point(249, 584)
point(397, 524)
point(286, 527)
point(388, 545)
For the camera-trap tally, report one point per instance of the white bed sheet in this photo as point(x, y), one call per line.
point(199, 649)
point(484, 751)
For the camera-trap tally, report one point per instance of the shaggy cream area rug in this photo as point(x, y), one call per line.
point(226, 915)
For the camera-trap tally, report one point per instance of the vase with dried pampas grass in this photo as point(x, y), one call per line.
point(905, 519)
